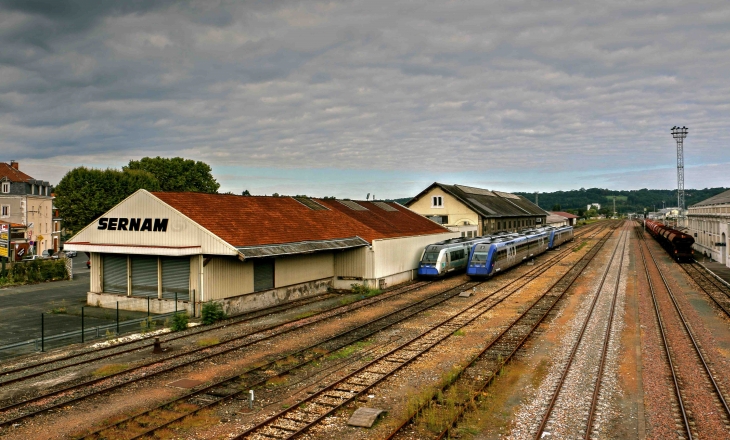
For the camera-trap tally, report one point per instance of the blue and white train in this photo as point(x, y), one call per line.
point(447, 256)
point(487, 259)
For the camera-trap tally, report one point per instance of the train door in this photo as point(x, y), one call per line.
point(511, 252)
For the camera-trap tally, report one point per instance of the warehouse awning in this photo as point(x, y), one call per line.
point(304, 247)
point(172, 251)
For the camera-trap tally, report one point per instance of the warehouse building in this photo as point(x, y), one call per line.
point(246, 252)
point(709, 224)
point(473, 212)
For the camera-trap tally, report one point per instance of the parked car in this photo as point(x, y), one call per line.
point(70, 254)
point(33, 257)
point(49, 254)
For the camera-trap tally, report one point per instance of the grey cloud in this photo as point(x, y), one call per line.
point(387, 85)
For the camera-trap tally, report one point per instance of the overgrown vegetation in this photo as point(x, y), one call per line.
point(35, 271)
point(179, 322)
point(212, 312)
point(364, 291)
point(108, 370)
point(349, 350)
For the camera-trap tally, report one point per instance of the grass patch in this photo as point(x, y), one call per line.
point(304, 315)
point(207, 342)
point(349, 350)
point(200, 420)
point(459, 333)
point(580, 246)
point(276, 381)
point(59, 309)
point(108, 370)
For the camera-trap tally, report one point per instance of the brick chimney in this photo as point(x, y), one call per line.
point(15, 164)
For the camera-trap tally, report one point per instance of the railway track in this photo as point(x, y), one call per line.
point(599, 335)
point(237, 387)
point(76, 392)
point(694, 383)
point(19, 371)
point(717, 292)
point(484, 367)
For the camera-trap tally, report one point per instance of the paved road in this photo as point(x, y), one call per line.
point(21, 307)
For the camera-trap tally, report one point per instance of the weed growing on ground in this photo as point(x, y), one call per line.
point(364, 291)
point(58, 310)
point(350, 349)
point(304, 315)
point(212, 312)
point(459, 333)
point(108, 370)
point(207, 342)
point(179, 322)
point(580, 246)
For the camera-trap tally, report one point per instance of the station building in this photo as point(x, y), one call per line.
point(709, 224)
point(246, 252)
point(473, 212)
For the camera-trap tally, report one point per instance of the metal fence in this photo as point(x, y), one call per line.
point(60, 327)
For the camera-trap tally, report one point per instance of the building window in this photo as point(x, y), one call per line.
point(6, 187)
point(263, 274)
point(5, 211)
point(437, 202)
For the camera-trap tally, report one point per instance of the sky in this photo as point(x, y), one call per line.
point(348, 98)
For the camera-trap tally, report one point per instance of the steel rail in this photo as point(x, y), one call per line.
point(281, 330)
point(665, 342)
point(571, 357)
point(695, 344)
point(196, 331)
point(439, 299)
point(703, 282)
point(221, 383)
point(606, 341)
point(400, 361)
point(581, 264)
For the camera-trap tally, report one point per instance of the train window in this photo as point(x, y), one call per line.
point(430, 257)
point(479, 257)
point(501, 255)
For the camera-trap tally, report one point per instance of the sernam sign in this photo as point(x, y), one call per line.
point(132, 224)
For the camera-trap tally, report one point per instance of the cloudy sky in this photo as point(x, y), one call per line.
point(352, 97)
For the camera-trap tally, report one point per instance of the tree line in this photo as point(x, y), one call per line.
point(577, 201)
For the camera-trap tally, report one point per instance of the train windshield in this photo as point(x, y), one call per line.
point(430, 257)
point(479, 257)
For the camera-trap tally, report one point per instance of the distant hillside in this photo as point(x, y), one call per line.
point(626, 201)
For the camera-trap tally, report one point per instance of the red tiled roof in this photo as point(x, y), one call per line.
point(256, 220)
point(564, 214)
point(12, 174)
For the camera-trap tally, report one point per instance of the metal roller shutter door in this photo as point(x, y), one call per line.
point(176, 278)
point(114, 273)
point(263, 275)
point(144, 276)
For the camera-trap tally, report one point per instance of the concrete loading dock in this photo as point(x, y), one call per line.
point(246, 252)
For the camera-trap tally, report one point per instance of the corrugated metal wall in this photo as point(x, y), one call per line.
point(303, 268)
point(224, 277)
point(401, 254)
point(180, 230)
point(95, 272)
point(354, 263)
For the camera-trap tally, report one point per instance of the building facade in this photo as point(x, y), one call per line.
point(28, 202)
point(473, 212)
point(709, 224)
point(571, 218)
point(246, 252)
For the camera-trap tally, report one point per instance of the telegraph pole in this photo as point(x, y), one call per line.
point(679, 133)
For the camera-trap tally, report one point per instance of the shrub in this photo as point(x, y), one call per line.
point(212, 312)
point(179, 322)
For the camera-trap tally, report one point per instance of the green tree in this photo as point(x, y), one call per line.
point(84, 194)
point(177, 174)
point(556, 207)
point(245, 193)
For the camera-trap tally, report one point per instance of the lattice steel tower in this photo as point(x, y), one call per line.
point(679, 133)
